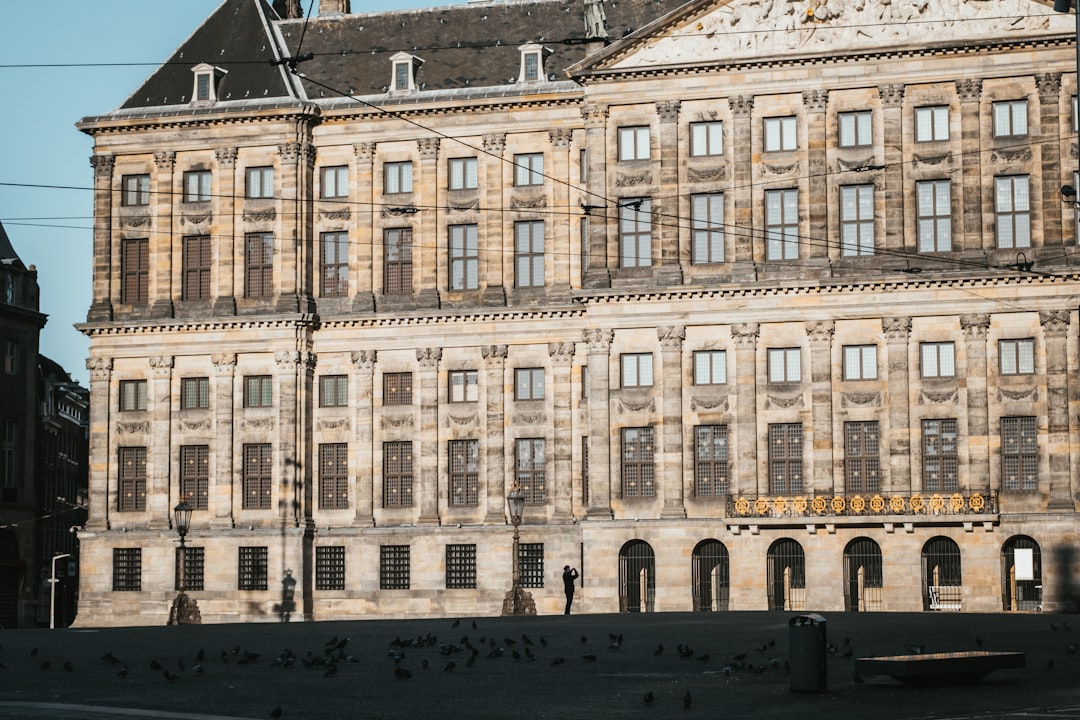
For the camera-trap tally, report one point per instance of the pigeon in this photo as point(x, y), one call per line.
point(33, 652)
point(123, 672)
point(473, 624)
point(450, 666)
point(330, 671)
point(528, 654)
point(180, 664)
point(659, 650)
point(200, 656)
point(686, 700)
point(543, 641)
point(703, 658)
point(471, 661)
point(558, 661)
point(584, 639)
point(1071, 649)
point(423, 663)
point(170, 676)
point(110, 658)
point(456, 623)
point(846, 655)
point(590, 658)
point(516, 655)
point(46, 665)
point(276, 713)
point(68, 667)
point(155, 665)
point(649, 697)
point(526, 639)
point(401, 673)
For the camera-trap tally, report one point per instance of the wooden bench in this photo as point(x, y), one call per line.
point(944, 597)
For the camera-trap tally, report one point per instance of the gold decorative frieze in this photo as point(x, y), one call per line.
point(806, 506)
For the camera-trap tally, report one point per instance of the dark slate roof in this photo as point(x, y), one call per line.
point(8, 256)
point(463, 46)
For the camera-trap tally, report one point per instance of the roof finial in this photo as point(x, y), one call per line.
point(595, 20)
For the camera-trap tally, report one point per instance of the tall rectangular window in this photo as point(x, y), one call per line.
point(785, 458)
point(258, 391)
point(333, 476)
point(857, 220)
point(398, 262)
point(637, 369)
point(11, 357)
point(585, 470)
point(1019, 455)
point(860, 362)
point(932, 123)
point(195, 475)
point(334, 264)
point(782, 224)
point(1017, 357)
point(197, 186)
point(260, 182)
point(460, 567)
point(132, 395)
point(635, 232)
point(706, 138)
point(397, 178)
point(197, 261)
point(136, 190)
point(531, 66)
point(464, 258)
point(934, 199)
point(861, 457)
point(333, 391)
point(634, 143)
point(529, 253)
point(529, 169)
point(194, 393)
point(135, 271)
point(529, 384)
point(710, 367)
point(397, 388)
point(463, 385)
point(7, 453)
point(780, 134)
point(254, 564)
point(393, 567)
point(785, 365)
point(192, 576)
point(937, 359)
point(940, 457)
point(330, 567)
point(531, 564)
point(638, 462)
point(397, 473)
point(707, 223)
point(127, 569)
point(257, 476)
point(1012, 206)
point(464, 472)
point(402, 76)
point(1010, 118)
point(131, 489)
point(529, 470)
point(334, 182)
point(855, 128)
point(710, 460)
point(463, 173)
point(259, 265)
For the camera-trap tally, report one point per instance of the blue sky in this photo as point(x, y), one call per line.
point(109, 47)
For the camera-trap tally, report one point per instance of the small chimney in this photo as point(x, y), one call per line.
point(334, 7)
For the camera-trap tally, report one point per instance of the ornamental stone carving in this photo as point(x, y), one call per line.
point(930, 160)
point(428, 358)
point(495, 143)
point(364, 152)
point(599, 341)
point(671, 338)
point(340, 215)
point(165, 160)
point(161, 365)
point(860, 399)
point(226, 157)
point(287, 360)
point(975, 325)
point(100, 368)
point(224, 363)
point(561, 352)
point(452, 420)
point(896, 329)
point(460, 207)
point(594, 116)
point(103, 165)
point(628, 180)
point(493, 352)
point(741, 105)
point(815, 100)
point(527, 202)
point(267, 215)
point(259, 423)
point(820, 332)
point(429, 148)
point(892, 96)
point(783, 402)
point(364, 359)
point(132, 428)
point(629, 406)
point(929, 397)
point(337, 424)
point(1055, 323)
point(1030, 393)
point(668, 110)
point(706, 174)
point(1006, 155)
point(969, 90)
point(703, 403)
point(745, 335)
point(1049, 85)
point(560, 138)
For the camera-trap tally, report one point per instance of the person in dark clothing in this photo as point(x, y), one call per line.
point(569, 575)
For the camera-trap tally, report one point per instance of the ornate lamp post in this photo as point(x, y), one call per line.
point(517, 601)
point(184, 611)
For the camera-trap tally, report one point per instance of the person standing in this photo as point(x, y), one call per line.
point(569, 575)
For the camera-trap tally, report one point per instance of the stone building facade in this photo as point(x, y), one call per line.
point(762, 306)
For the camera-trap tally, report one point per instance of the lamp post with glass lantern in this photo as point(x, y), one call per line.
point(517, 600)
point(184, 611)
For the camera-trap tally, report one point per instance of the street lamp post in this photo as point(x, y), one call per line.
point(52, 590)
point(517, 601)
point(184, 611)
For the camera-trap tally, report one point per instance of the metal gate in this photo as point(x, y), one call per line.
point(942, 581)
point(863, 587)
point(637, 577)
point(1021, 577)
point(786, 575)
point(711, 586)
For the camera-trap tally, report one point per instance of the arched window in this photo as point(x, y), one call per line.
point(1021, 574)
point(637, 577)
point(942, 585)
point(862, 576)
point(786, 575)
point(710, 570)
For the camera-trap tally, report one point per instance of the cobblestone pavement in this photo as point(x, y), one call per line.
point(538, 667)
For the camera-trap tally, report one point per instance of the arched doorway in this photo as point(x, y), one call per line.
point(1021, 575)
point(637, 577)
point(710, 569)
point(786, 575)
point(11, 571)
point(942, 580)
point(862, 576)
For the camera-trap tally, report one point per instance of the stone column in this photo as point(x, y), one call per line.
point(364, 438)
point(159, 495)
point(101, 306)
point(667, 204)
point(428, 436)
point(897, 331)
point(975, 327)
point(745, 337)
point(225, 487)
point(970, 236)
point(364, 282)
point(494, 444)
point(1055, 325)
point(162, 245)
point(101, 500)
point(817, 168)
point(294, 225)
point(562, 355)
point(293, 479)
point(671, 443)
point(427, 242)
point(820, 335)
point(494, 275)
point(597, 275)
point(892, 112)
point(225, 231)
point(1049, 85)
point(742, 183)
point(600, 431)
point(558, 270)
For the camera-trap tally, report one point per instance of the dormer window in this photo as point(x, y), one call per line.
point(405, 68)
point(532, 62)
point(207, 82)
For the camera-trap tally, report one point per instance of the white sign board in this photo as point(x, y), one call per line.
point(1024, 563)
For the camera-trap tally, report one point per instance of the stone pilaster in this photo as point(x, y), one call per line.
point(162, 247)
point(597, 275)
point(365, 282)
point(291, 482)
point(426, 254)
point(671, 443)
point(160, 494)
point(560, 268)
point(897, 332)
point(742, 181)
point(101, 306)
point(670, 271)
point(1055, 325)
point(496, 266)
point(970, 236)
point(100, 501)
point(975, 327)
point(294, 223)
point(599, 423)
point(225, 489)
point(892, 112)
point(1049, 86)
point(745, 337)
point(815, 103)
point(428, 436)
point(364, 438)
point(225, 233)
point(494, 444)
point(561, 485)
point(820, 335)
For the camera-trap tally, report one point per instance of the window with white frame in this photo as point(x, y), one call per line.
point(1012, 205)
point(780, 134)
point(857, 220)
point(532, 63)
point(260, 182)
point(1017, 357)
point(404, 67)
point(528, 169)
point(932, 123)
point(634, 143)
point(782, 224)
point(635, 232)
point(206, 81)
point(637, 370)
point(710, 367)
point(934, 209)
point(1010, 118)
point(334, 182)
point(707, 138)
point(860, 362)
point(397, 177)
point(785, 365)
point(937, 359)
point(136, 190)
point(707, 223)
point(463, 173)
point(855, 128)
point(464, 257)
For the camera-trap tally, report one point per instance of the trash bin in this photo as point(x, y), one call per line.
point(807, 653)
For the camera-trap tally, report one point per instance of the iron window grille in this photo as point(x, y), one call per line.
point(531, 565)
point(1019, 454)
point(785, 458)
point(334, 391)
point(194, 393)
point(194, 560)
point(397, 388)
point(132, 481)
point(638, 462)
point(258, 391)
point(398, 261)
point(397, 473)
point(585, 470)
point(132, 395)
point(333, 476)
point(258, 476)
point(712, 577)
point(394, 567)
point(195, 475)
point(330, 567)
point(940, 455)
point(862, 459)
point(460, 566)
point(127, 569)
point(530, 473)
point(711, 460)
point(253, 567)
point(464, 472)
